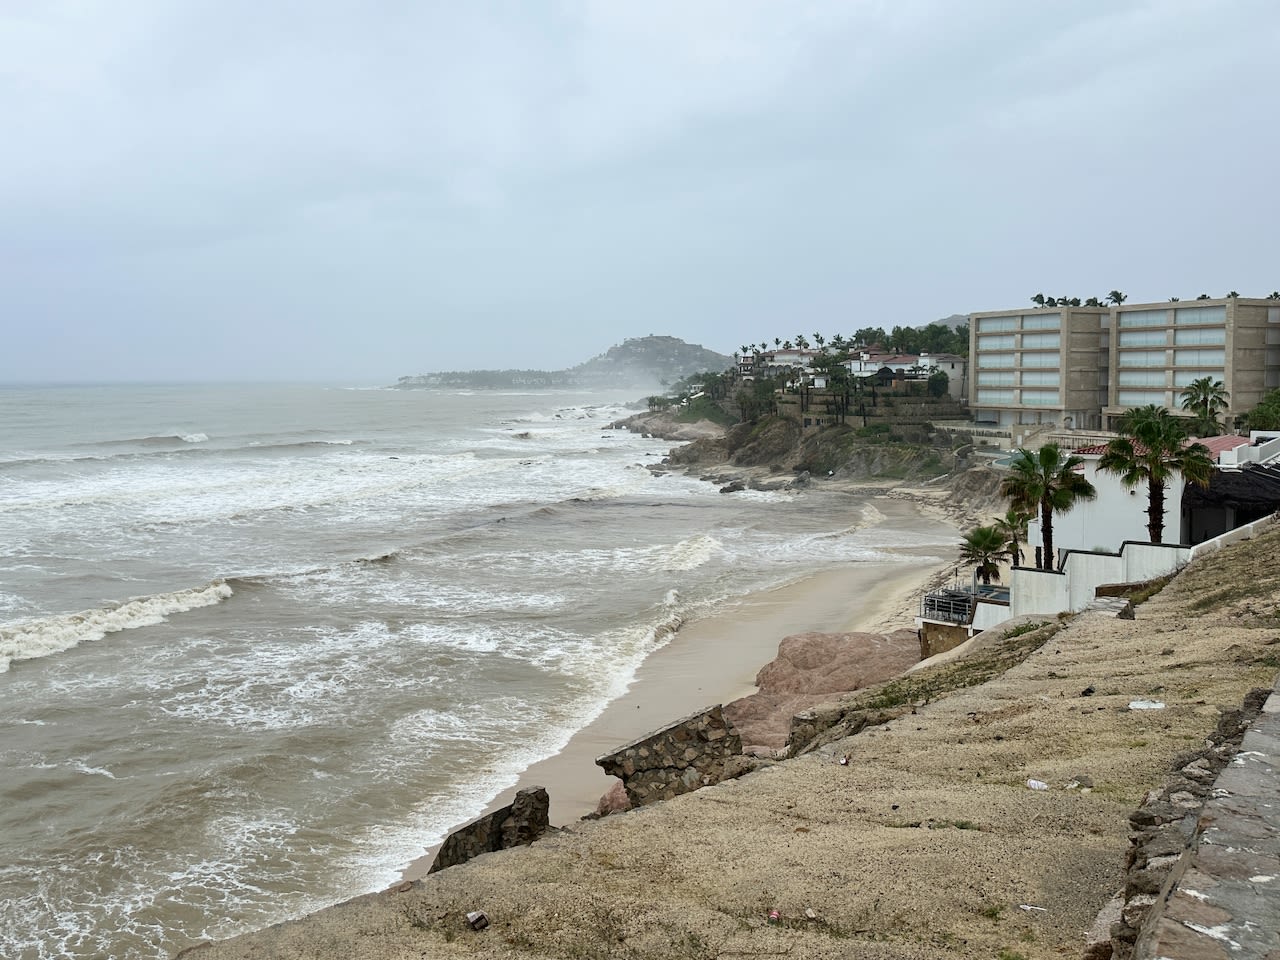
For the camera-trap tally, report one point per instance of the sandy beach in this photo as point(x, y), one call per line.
point(715, 659)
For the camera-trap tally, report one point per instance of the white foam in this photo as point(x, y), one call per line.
point(195, 437)
point(31, 639)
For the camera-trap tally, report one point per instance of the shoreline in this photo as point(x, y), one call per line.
point(715, 659)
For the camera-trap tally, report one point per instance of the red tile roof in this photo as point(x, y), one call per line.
point(1217, 446)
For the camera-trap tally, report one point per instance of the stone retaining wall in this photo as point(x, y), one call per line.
point(519, 824)
point(689, 754)
point(1167, 826)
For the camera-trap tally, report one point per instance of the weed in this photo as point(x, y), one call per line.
point(991, 911)
point(1007, 954)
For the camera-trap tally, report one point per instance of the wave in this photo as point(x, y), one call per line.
point(36, 638)
point(168, 440)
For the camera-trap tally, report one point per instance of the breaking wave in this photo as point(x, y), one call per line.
point(35, 638)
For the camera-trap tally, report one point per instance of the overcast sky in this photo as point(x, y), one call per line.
point(324, 190)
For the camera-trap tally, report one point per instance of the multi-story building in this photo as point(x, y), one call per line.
point(1157, 349)
point(1039, 366)
point(1084, 367)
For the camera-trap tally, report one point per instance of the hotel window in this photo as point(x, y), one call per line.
point(1141, 378)
point(988, 360)
point(1040, 360)
point(1040, 378)
point(1032, 341)
point(996, 379)
point(996, 343)
point(1139, 398)
point(995, 396)
point(1039, 398)
point(1144, 318)
point(1141, 358)
point(1200, 358)
point(1183, 378)
point(1042, 321)
point(1216, 314)
point(1200, 335)
point(997, 324)
point(1142, 338)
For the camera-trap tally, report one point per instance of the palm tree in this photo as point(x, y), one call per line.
point(1013, 527)
point(1204, 296)
point(1152, 448)
point(1274, 295)
point(1116, 297)
point(1046, 481)
point(777, 341)
point(1206, 398)
point(801, 341)
point(985, 547)
point(1174, 299)
point(1093, 302)
point(1038, 299)
point(1232, 295)
point(819, 339)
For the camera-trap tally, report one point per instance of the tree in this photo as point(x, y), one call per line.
point(1266, 415)
point(802, 341)
point(819, 339)
point(1232, 295)
point(1013, 527)
point(1093, 302)
point(1174, 299)
point(1045, 481)
point(1153, 448)
point(985, 547)
point(1274, 295)
point(1038, 299)
point(937, 383)
point(1116, 297)
point(1204, 296)
point(777, 341)
point(1206, 398)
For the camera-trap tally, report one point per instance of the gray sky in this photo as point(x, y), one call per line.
point(239, 189)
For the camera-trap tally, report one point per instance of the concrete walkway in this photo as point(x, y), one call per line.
point(1225, 899)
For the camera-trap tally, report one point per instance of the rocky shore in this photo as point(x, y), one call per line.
point(981, 809)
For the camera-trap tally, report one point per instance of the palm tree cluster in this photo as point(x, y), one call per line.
point(1046, 482)
point(1115, 297)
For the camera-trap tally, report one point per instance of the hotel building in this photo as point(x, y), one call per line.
point(1084, 367)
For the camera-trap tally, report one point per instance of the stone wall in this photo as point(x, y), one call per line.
point(936, 638)
point(689, 754)
point(519, 824)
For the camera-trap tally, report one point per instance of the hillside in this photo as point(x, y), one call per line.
point(643, 363)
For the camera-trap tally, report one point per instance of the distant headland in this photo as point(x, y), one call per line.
point(640, 362)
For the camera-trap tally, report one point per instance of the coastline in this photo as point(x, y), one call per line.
point(715, 659)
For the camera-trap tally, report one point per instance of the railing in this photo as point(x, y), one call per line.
point(951, 606)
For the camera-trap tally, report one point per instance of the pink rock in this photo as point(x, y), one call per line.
point(614, 801)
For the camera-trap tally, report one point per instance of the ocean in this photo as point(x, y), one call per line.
point(262, 645)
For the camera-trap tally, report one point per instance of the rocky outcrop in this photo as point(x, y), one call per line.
point(689, 754)
point(519, 824)
point(810, 668)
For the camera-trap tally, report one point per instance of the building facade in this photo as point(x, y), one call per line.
point(1082, 368)
point(1039, 366)
point(1157, 349)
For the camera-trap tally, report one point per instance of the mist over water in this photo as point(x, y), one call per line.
point(262, 645)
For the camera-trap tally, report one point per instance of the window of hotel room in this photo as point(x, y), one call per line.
point(1141, 358)
point(1034, 341)
point(988, 360)
point(1042, 321)
point(1216, 314)
point(1200, 358)
point(1143, 338)
point(1040, 360)
point(995, 378)
point(1144, 318)
point(1141, 378)
point(996, 343)
point(1183, 378)
point(1041, 378)
point(1139, 398)
point(997, 324)
point(1198, 335)
point(1040, 398)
